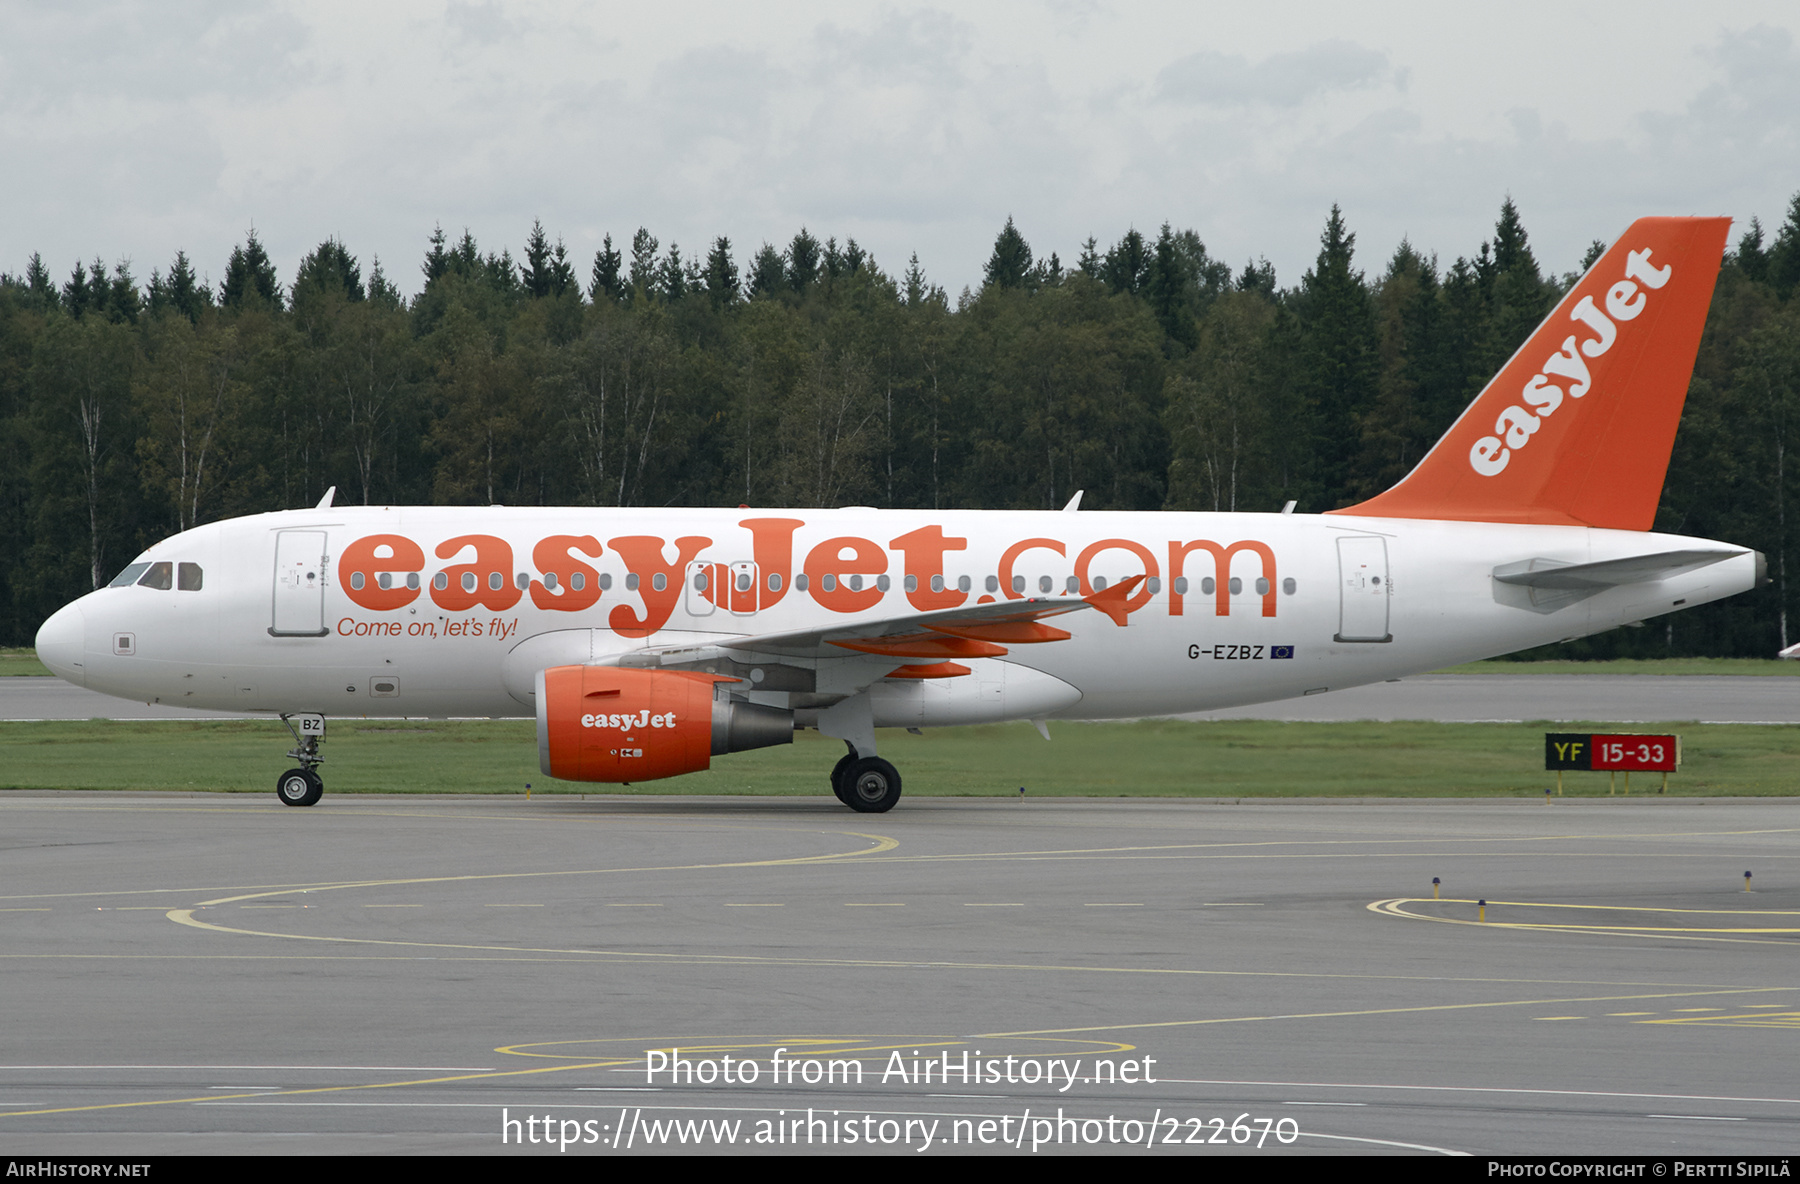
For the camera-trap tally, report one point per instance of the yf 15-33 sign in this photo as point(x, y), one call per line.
point(1624, 752)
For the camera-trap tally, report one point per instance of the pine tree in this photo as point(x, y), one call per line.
point(1784, 256)
point(1258, 276)
point(767, 273)
point(1518, 298)
point(78, 293)
point(330, 267)
point(38, 282)
point(250, 277)
point(464, 258)
point(187, 295)
point(914, 283)
point(606, 284)
point(562, 273)
point(643, 264)
point(536, 273)
point(802, 261)
point(721, 274)
point(437, 258)
point(1088, 263)
point(1127, 264)
point(1338, 362)
point(1167, 289)
point(1010, 264)
point(381, 292)
point(1751, 258)
point(123, 301)
point(671, 278)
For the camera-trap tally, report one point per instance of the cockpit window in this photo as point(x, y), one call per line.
point(129, 576)
point(188, 577)
point(161, 576)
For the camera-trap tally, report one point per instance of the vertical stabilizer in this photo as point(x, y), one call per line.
point(1577, 427)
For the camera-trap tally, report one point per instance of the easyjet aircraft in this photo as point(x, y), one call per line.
point(647, 642)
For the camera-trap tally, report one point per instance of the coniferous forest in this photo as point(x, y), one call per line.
point(1147, 373)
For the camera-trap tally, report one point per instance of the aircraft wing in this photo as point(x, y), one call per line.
point(973, 632)
point(970, 631)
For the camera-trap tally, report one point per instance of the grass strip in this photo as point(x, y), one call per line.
point(1150, 758)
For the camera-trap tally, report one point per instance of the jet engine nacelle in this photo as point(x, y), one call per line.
point(607, 723)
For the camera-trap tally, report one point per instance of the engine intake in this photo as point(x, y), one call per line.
point(614, 724)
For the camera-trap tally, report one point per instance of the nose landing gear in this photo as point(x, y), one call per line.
point(303, 786)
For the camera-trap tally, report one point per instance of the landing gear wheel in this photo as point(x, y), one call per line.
point(837, 777)
point(299, 787)
point(871, 785)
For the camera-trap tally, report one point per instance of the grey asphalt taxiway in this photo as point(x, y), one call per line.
point(191, 974)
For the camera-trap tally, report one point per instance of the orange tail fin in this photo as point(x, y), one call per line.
point(1577, 427)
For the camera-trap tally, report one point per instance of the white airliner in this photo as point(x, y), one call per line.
point(648, 641)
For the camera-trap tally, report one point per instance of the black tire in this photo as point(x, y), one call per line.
point(299, 787)
point(871, 785)
point(837, 777)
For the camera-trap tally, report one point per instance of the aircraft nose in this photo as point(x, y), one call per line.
point(60, 642)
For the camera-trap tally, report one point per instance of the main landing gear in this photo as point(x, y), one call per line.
point(303, 786)
point(868, 785)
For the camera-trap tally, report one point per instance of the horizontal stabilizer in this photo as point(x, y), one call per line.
point(1553, 575)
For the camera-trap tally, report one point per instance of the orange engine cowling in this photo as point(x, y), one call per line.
point(611, 723)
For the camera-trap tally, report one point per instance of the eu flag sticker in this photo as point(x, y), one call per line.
point(1281, 651)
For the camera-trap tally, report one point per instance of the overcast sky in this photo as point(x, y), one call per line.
point(133, 130)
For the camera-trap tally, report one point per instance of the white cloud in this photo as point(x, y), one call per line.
point(1281, 80)
point(136, 130)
